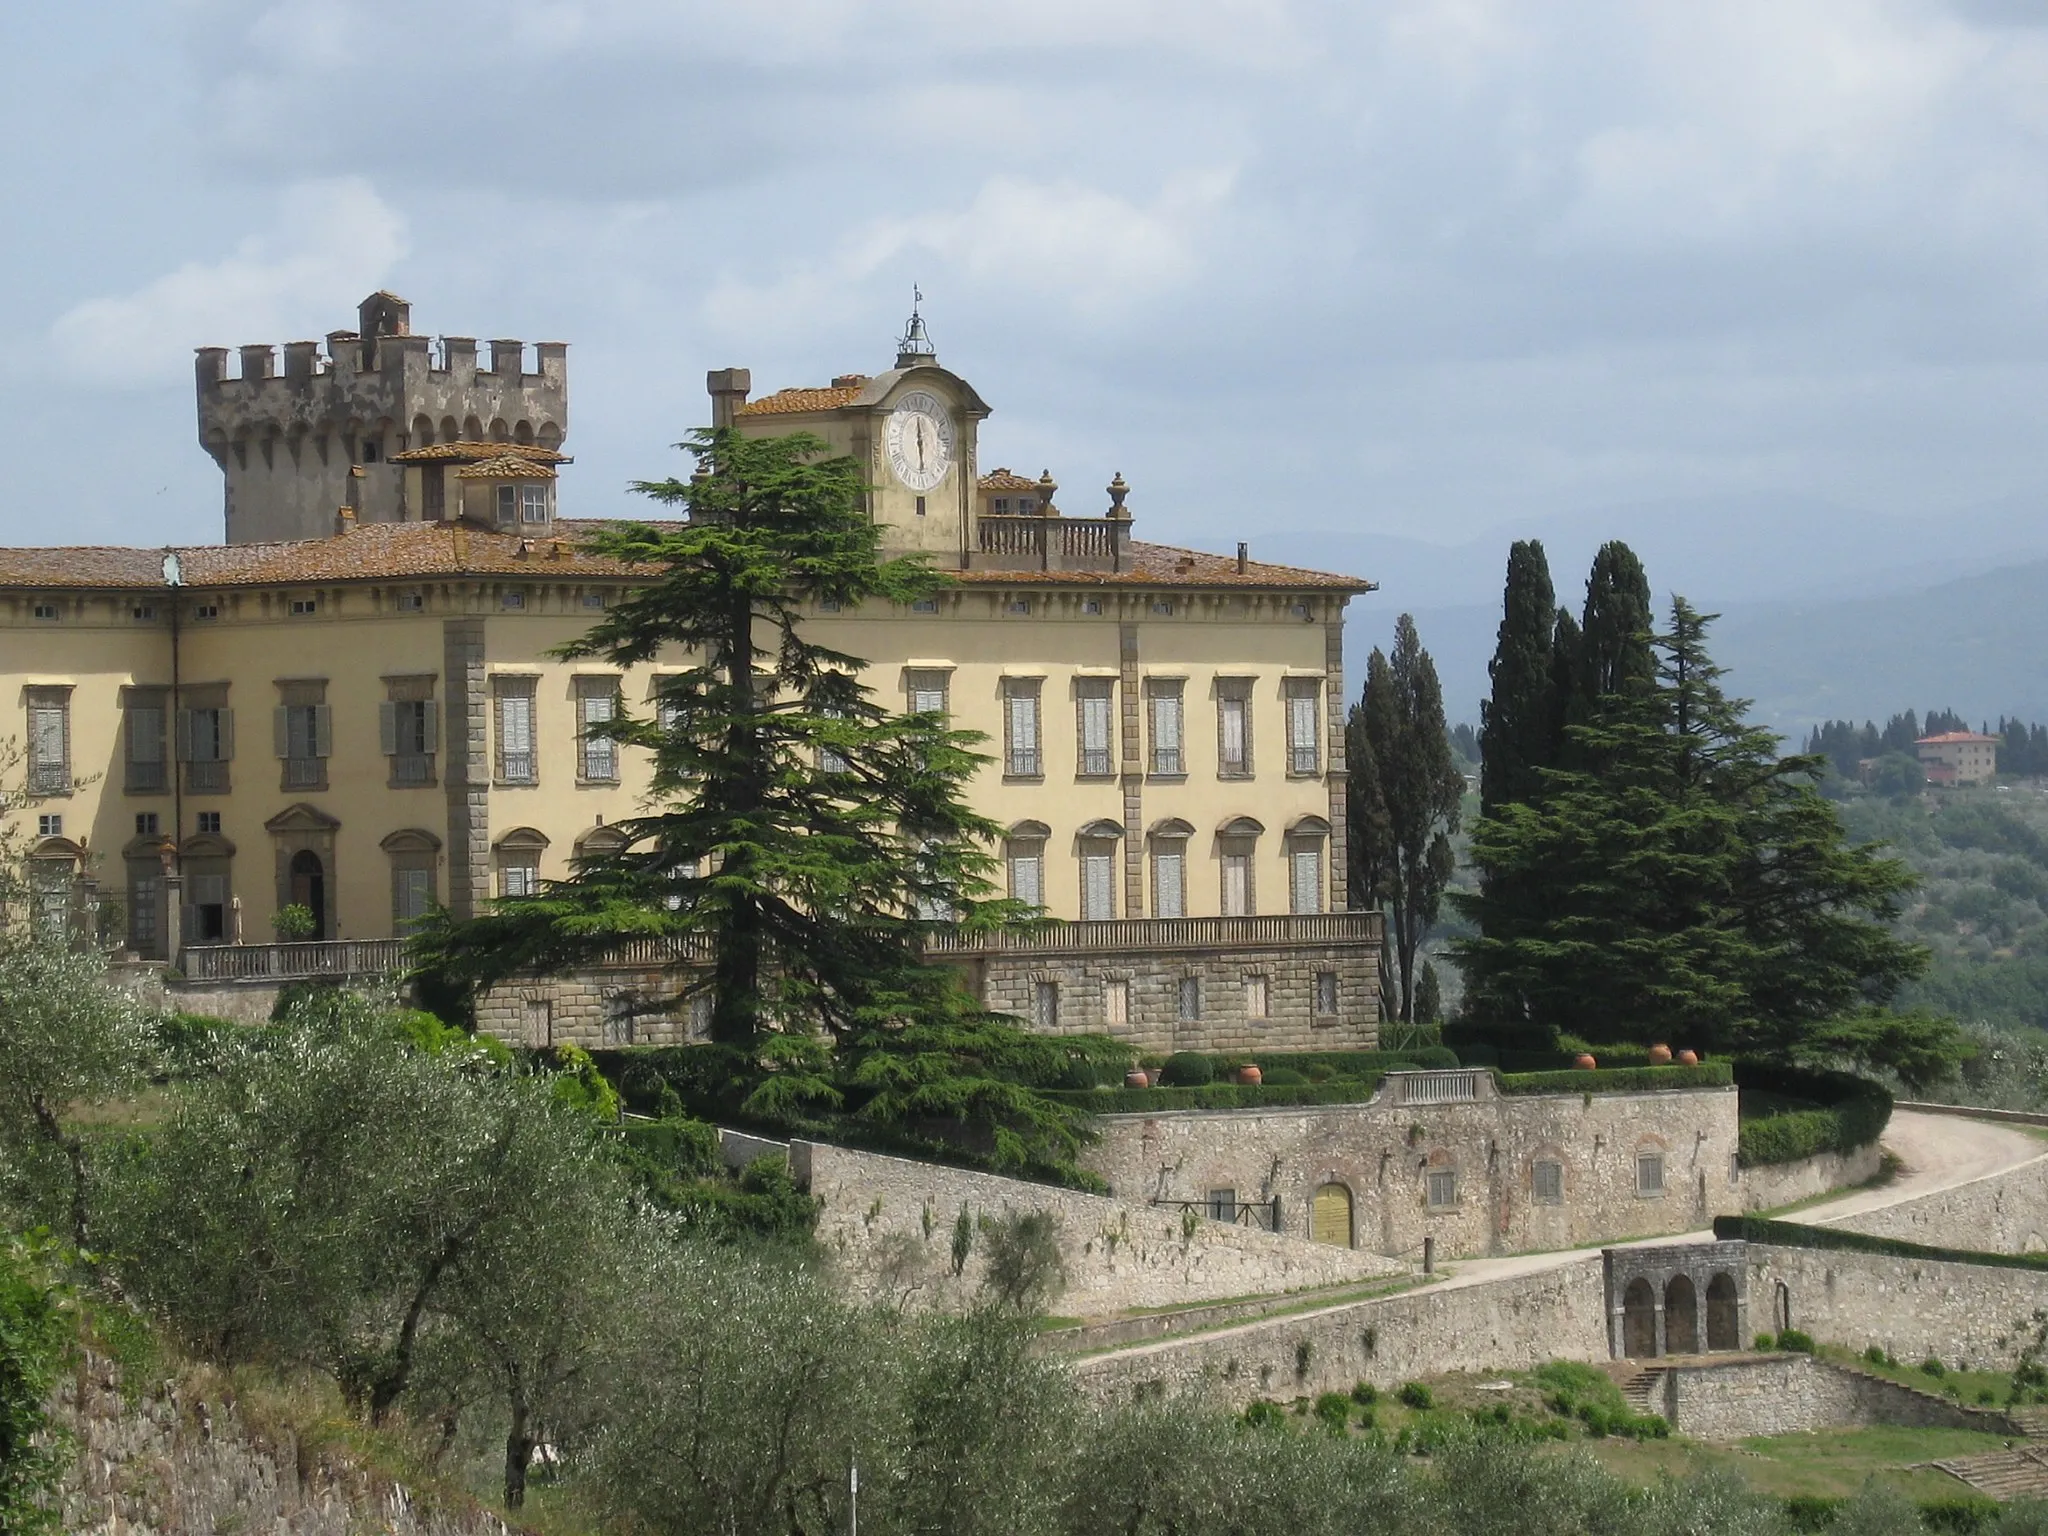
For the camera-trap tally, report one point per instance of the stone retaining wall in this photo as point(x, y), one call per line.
point(1510, 1324)
point(1969, 1314)
point(1786, 1394)
point(1771, 1185)
point(2005, 1213)
point(888, 1224)
point(1386, 1157)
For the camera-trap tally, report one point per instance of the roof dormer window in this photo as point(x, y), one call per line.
point(533, 503)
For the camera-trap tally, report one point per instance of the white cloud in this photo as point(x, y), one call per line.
point(1074, 250)
point(332, 242)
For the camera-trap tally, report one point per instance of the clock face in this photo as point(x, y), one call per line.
point(920, 440)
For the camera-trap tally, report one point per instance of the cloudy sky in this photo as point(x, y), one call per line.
point(1405, 270)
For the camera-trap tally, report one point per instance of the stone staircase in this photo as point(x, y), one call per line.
point(2020, 1472)
point(1103, 1333)
point(1643, 1388)
point(2030, 1420)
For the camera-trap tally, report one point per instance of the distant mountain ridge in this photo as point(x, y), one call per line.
point(1825, 612)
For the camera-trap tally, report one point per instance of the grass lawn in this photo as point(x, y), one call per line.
point(1974, 1389)
point(1827, 1463)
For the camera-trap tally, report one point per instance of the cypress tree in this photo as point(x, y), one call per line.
point(1517, 723)
point(1614, 645)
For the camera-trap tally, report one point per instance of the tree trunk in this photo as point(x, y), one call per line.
point(74, 1154)
point(518, 1446)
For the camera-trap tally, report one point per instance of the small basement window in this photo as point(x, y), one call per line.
point(305, 605)
point(1548, 1183)
point(1650, 1173)
point(44, 610)
point(1443, 1188)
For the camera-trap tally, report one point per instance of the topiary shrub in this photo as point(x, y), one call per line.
point(1188, 1069)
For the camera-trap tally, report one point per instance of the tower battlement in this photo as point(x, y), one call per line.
point(299, 435)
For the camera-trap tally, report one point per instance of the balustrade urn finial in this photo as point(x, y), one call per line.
point(1118, 490)
point(1046, 487)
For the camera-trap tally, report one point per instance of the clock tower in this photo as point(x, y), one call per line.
point(911, 429)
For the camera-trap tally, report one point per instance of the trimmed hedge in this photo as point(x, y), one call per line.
point(1142, 1101)
point(1792, 1234)
point(1849, 1112)
point(1333, 1064)
point(1708, 1074)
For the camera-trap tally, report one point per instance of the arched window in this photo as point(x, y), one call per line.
point(1096, 845)
point(517, 855)
point(1169, 843)
point(1024, 854)
point(1236, 849)
point(1306, 841)
point(415, 856)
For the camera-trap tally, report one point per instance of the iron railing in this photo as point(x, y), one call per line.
point(1153, 933)
point(1261, 1215)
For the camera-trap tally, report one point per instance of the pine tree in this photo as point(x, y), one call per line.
point(1517, 723)
point(1420, 786)
point(806, 835)
point(1702, 891)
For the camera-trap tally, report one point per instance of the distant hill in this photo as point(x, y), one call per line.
point(1978, 645)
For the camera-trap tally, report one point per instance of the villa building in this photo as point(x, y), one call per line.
point(1165, 726)
point(1958, 757)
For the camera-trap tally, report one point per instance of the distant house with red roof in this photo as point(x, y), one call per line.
point(1958, 757)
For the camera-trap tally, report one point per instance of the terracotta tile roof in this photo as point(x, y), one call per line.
point(788, 401)
point(447, 453)
point(505, 466)
point(1952, 738)
point(1005, 480)
point(396, 551)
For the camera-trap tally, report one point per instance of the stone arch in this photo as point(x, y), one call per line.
point(1781, 1306)
point(500, 432)
point(1724, 1317)
point(1241, 826)
point(1171, 827)
point(549, 436)
point(451, 430)
point(1639, 1320)
point(1029, 831)
point(422, 432)
point(1330, 1215)
point(600, 843)
point(1681, 1317)
point(522, 431)
point(1308, 825)
point(523, 840)
point(472, 429)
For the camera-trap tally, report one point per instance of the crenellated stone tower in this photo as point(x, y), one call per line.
point(296, 447)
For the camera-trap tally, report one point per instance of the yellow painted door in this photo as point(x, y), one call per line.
point(1330, 1216)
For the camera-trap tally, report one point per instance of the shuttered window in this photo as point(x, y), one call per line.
point(145, 747)
point(1169, 755)
point(596, 707)
point(1045, 1004)
point(412, 893)
point(1098, 881)
point(1237, 883)
point(1169, 878)
point(1234, 730)
point(1027, 872)
point(1257, 998)
point(927, 693)
point(1093, 704)
point(516, 761)
point(1304, 749)
point(1020, 720)
point(1116, 1003)
point(49, 743)
point(1305, 865)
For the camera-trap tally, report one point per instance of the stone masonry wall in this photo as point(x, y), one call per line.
point(1772, 1185)
point(1513, 1323)
point(1786, 1394)
point(580, 1009)
point(1972, 1314)
point(888, 1225)
point(2005, 1213)
point(1384, 1151)
point(1008, 980)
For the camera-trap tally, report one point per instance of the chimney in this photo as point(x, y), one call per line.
point(1244, 558)
point(345, 520)
point(728, 387)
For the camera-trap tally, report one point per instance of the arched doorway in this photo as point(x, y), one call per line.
point(309, 888)
point(1681, 1317)
point(1330, 1216)
point(1724, 1329)
point(1639, 1320)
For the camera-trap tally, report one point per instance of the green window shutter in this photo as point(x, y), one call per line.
point(387, 728)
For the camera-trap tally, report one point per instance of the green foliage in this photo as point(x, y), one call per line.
point(35, 1340)
point(1333, 1412)
point(1579, 1392)
point(1429, 996)
point(1138, 1101)
point(763, 1204)
point(1766, 1341)
point(1022, 1268)
point(1187, 1069)
point(1404, 799)
point(1795, 1342)
point(67, 1036)
point(1415, 1394)
point(1263, 1413)
point(1365, 1394)
point(1708, 1074)
point(676, 1144)
point(963, 1241)
point(1851, 1112)
point(1696, 887)
point(1518, 732)
point(293, 922)
point(578, 1085)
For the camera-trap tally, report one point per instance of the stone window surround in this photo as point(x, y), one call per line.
point(1165, 695)
point(1171, 836)
point(411, 851)
point(1018, 768)
point(294, 774)
point(520, 848)
point(1099, 840)
point(1236, 690)
point(137, 776)
point(584, 687)
point(1098, 685)
point(1025, 840)
point(1238, 838)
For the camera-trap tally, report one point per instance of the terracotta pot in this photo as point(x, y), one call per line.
point(1137, 1080)
point(1660, 1055)
point(1585, 1063)
point(1250, 1075)
point(1688, 1058)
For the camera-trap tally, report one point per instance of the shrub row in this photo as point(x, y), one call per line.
point(1849, 1112)
point(1708, 1074)
point(1792, 1234)
point(1139, 1101)
point(1326, 1065)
